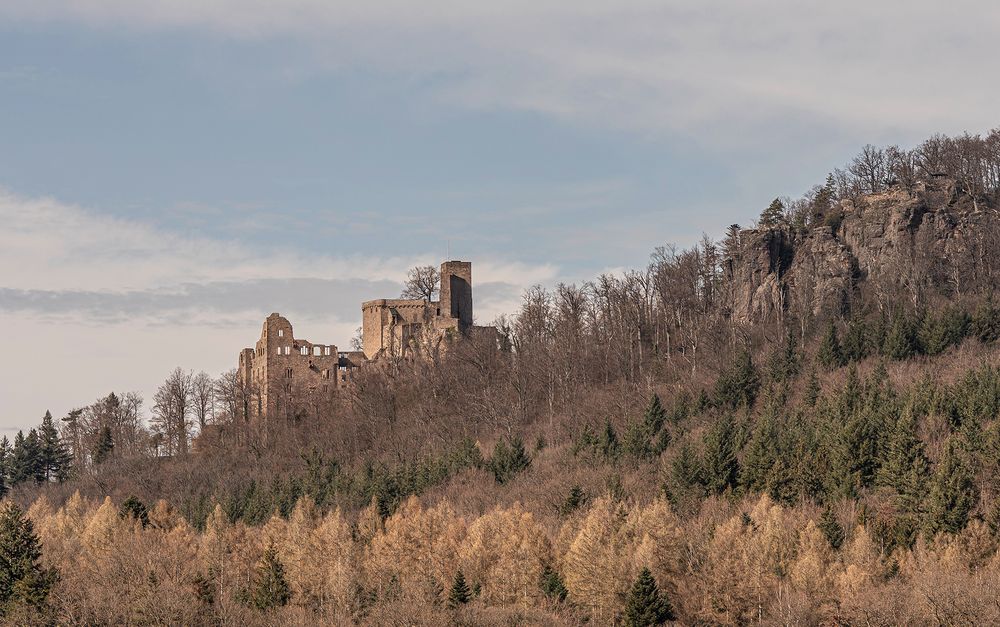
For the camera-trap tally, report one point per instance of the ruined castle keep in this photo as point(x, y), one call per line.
point(391, 327)
point(281, 367)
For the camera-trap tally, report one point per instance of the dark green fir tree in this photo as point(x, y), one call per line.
point(269, 588)
point(645, 606)
point(952, 492)
point(830, 354)
point(459, 594)
point(23, 579)
point(105, 446)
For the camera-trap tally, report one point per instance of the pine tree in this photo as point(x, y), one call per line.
point(105, 446)
point(508, 460)
point(135, 509)
point(645, 606)
point(55, 459)
point(952, 493)
point(830, 354)
point(823, 201)
point(905, 466)
point(21, 462)
point(23, 579)
point(784, 363)
point(552, 584)
point(655, 416)
point(986, 322)
point(459, 594)
point(269, 588)
point(608, 443)
point(720, 464)
point(574, 500)
point(900, 342)
point(773, 215)
point(856, 344)
point(832, 530)
point(738, 387)
point(640, 435)
point(813, 389)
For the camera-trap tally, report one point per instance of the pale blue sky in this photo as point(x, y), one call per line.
point(171, 171)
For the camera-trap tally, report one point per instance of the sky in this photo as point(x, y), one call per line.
point(172, 171)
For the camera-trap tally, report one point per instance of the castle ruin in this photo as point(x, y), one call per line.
point(280, 367)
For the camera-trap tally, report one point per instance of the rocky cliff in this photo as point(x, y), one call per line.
point(913, 245)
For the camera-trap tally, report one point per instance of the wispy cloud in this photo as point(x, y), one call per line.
point(679, 67)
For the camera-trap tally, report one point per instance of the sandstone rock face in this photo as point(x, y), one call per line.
point(901, 244)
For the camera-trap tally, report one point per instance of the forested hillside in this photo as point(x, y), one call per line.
point(795, 424)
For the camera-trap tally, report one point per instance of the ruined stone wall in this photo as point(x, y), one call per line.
point(280, 366)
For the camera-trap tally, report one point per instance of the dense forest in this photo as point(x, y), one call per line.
point(796, 424)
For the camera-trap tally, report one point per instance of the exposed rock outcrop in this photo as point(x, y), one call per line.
point(910, 244)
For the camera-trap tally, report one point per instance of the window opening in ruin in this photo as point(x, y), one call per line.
point(288, 373)
point(288, 350)
point(304, 350)
point(327, 350)
point(317, 350)
point(281, 333)
point(279, 350)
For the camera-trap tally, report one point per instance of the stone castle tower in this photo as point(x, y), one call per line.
point(393, 327)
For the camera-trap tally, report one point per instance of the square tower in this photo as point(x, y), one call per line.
point(456, 292)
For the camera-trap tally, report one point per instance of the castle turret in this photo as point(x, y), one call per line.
point(456, 292)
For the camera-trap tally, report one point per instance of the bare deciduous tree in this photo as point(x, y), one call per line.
point(171, 409)
point(203, 398)
point(421, 282)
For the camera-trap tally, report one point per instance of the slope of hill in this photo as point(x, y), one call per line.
point(797, 424)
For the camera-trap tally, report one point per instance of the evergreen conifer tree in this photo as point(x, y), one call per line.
point(952, 492)
point(552, 584)
point(508, 460)
point(830, 354)
point(105, 446)
point(784, 363)
point(608, 443)
point(133, 508)
point(33, 454)
point(21, 462)
point(686, 481)
point(645, 605)
point(900, 342)
point(985, 323)
point(831, 529)
point(905, 466)
point(655, 416)
point(856, 344)
point(812, 389)
point(459, 594)
point(773, 215)
point(55, 459)
point(738, 386)
point(270, 588)
point(23, 579)
point(720, 464)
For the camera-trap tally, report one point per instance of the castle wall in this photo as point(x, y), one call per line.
point(282, 368)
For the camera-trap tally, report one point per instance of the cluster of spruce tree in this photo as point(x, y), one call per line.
point(906, 335)
point(39, 457)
